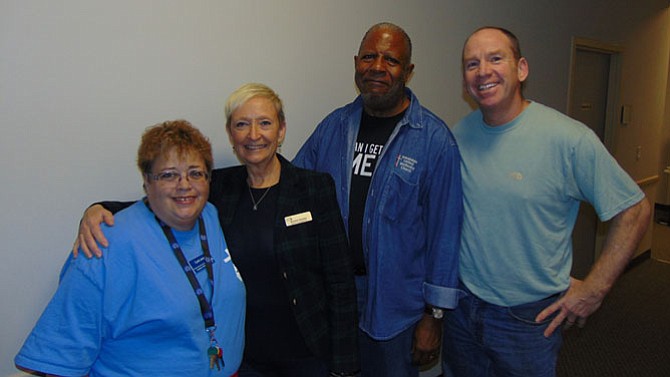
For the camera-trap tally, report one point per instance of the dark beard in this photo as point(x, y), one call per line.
point(384, 102)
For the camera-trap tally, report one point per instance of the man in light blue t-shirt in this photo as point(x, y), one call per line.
point(526, 168)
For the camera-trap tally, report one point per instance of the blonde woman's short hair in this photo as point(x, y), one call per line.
point(252, 90)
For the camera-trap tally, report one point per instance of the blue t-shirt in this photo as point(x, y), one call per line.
point(133, 311)
point(522, 185)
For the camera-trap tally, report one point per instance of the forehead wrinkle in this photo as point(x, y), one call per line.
point(497, 51)
point(383, 41)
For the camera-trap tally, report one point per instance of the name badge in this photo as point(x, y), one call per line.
point(198, 263)
point(298, 218)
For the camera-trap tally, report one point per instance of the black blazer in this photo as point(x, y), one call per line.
point(314, 257)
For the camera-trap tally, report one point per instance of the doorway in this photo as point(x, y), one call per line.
point(593, 94)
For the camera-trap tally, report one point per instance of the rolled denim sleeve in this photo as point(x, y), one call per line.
point(444, 217)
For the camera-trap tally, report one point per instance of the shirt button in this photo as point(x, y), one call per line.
point(284, 275)
point(295, 302)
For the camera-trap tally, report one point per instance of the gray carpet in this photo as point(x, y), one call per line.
point(630, 334)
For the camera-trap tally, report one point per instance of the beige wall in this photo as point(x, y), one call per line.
point(660, 247)
point(663, 194)
point(644, 87)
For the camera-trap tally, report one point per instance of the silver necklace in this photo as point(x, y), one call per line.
point(253, 200)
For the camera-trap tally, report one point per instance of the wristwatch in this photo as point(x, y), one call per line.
point(437, 313)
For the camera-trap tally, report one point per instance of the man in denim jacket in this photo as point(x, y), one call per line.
point(396, 168)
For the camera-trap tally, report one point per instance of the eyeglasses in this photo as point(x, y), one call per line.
point(174, 176)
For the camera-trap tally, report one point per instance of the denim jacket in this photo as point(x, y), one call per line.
point(413, 213)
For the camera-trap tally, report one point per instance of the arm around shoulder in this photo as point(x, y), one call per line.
point(90, 232)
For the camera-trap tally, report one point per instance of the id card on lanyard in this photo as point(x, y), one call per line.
point(214, 351)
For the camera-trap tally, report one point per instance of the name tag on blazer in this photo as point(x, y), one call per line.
point(298, 218)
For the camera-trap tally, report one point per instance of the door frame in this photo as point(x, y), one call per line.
point(612, 111)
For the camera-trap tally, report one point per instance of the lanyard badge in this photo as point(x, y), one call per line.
point(214, 351)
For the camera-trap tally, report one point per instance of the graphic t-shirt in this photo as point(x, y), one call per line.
point(372, 137)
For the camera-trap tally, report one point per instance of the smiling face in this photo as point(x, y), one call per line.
point(255, 131)
point(382, 70)
point(492, 75)
point(179, 203)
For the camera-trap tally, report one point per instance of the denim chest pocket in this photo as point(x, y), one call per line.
point(400, 196)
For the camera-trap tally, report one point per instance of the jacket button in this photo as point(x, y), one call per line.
point(284, 275)
point(295, 302)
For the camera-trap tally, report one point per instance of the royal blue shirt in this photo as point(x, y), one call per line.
point(133, 312)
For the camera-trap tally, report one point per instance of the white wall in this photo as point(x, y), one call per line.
point(80, 80)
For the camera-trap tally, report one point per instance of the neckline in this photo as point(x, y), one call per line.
point(255, 202)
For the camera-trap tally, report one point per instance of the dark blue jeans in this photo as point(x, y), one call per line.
point(384, 358)
point(388, 358)
point(482, 340)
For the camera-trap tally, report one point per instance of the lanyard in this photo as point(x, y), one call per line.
point(205, 307)
point(214, 352)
